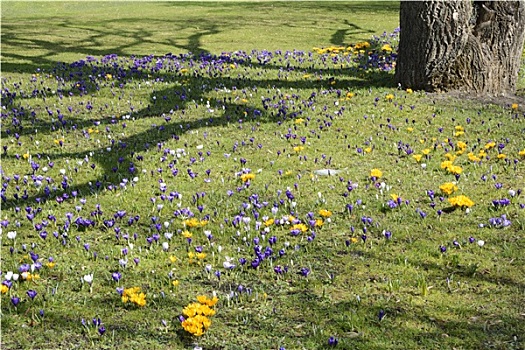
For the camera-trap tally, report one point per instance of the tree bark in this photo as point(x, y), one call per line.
point(461, 45)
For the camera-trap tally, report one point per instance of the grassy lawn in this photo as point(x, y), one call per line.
point(266, 176)
point(74, 30)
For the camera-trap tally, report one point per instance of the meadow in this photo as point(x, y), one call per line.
point(247, 175)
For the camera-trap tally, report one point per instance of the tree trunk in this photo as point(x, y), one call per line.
point(461, 45)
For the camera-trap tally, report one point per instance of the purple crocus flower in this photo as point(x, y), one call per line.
point(304, 271)
point(32, 294)
point(295, 232)
point(255, 263)
point(37, 265)
point(391, 204)
point(116, 276)
point(15, 301)
point(333, 341)
point(381, 315)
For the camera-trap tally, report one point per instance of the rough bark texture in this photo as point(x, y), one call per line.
point(472, 46)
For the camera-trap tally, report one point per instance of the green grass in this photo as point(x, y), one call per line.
point(77, 29)
point(250, 110)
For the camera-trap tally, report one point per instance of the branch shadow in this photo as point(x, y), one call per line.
point(338, 38)
point(461, 326)
point(93, 45)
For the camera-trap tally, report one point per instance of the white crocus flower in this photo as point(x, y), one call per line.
point(9, 275)
point(228, 263)
point(88, 278)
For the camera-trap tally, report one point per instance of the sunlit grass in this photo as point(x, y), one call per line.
point(299, 187)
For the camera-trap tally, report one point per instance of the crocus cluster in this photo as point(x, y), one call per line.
point(197, 319)
point(500, 222)
point(461, 201)
point(134, 295)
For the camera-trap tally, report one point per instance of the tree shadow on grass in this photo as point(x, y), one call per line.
point(117, 164)
point(338, 38)
point(96, 34)
point(385, 320)
point(472, 327)
point(91, 46)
